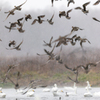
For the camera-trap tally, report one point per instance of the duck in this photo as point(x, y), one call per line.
point(30, 93)
point(55, 88)
point(88, 93)
point(2, 94)
point(84, 10)
point(57, 93)
point(46, 90)
point(88, 86)
point(71, 88)
point(19, 91)
point(97, 94)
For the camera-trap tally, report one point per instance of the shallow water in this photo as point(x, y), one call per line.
point(40, 95)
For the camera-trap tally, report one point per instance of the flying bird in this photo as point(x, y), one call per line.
point(74, 28)
point(84, 10)
point(18, 21)
point(48, 44)
point(12, 43)
point(39, 19)
point(62, 13)
point(16, 84)
point(67, 16)
point(28, 17)
point(12, 25)
point(75, 69)
point(88, 66)
point(50, 21)
point(17, 47)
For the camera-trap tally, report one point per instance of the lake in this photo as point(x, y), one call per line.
point(40, 95)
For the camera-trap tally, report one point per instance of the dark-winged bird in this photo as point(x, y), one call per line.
point(84, 8)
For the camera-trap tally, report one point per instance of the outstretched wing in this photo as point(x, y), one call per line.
point(20, 44)
point(96, 19)
point(84, 5)
point(22, 4)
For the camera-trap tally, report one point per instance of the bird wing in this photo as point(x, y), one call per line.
point(22, 4)
point(51, 39)
point(69, 11)
point(53, 48)
point(97, 2)
point(96, 19)
point(41, 16)
point(78, 8)
point(10, 80)
point(20, 19)
point(47, 52)
point(34, 21)
point(20, 44)
point(84, 5)
point(52, 17)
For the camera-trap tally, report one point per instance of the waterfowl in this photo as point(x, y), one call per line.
point(57, 93)
point(88, 66)
point(76, 79)
point(96, 19)
point(39, 19)
point(55, 88)
point(28, 17)
point(17, 47)
point(11, 12)
point(50, 21)
point(12, 25)
point(20, 28)
point(30, 93)
point(73, 69)
point(10, 67)
point(16, 84)
point(52, 2)
point(12, 43)
point(18, 21)
point(84, 8)
point(46, 90)
point(67, 15)
point(62, 13)
point(71, 88)
point(48, 44)
point(97, 2)
point(61, 40)
point(88, 86)
point(74, 28)
point(50, 54)
point(88, 94)
point(2, 94)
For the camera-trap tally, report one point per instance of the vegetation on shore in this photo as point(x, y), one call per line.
point(34, 68)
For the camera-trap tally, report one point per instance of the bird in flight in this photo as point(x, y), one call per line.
point(84, 10)
point(16, 47)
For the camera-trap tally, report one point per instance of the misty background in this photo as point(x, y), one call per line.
point(35, 34)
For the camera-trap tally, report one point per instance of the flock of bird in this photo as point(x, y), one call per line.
point(59, 42)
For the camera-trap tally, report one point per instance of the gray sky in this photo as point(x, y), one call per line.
point(35, 34)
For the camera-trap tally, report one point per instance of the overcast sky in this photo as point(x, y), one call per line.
point(35, 34)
